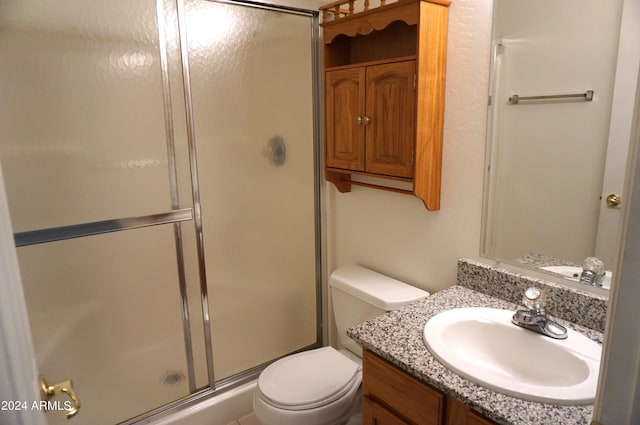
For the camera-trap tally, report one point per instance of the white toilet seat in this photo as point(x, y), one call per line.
point(308, 379)
point(315, 387)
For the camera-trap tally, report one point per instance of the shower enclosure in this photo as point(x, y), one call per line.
point(160, 159)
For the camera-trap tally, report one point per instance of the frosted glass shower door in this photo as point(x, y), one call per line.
point(84, 147)
point(252, 84)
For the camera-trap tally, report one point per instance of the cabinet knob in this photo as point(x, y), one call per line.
point(359, 120)
point(366, 120)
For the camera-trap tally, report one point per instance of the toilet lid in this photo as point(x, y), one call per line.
point(309, 379)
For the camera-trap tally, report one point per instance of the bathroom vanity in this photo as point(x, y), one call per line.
point(404, 383)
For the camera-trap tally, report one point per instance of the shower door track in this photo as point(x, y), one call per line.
point(55, 234)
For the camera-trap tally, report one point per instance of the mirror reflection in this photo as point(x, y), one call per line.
point(556, 146)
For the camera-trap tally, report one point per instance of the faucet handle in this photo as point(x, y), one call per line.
point(534, 299)
point(593, 272)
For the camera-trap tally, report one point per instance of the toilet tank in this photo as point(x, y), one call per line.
point(360, 294)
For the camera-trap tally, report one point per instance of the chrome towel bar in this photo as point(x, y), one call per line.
point(587, 96)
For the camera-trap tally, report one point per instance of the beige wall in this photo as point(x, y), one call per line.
point(393, 233)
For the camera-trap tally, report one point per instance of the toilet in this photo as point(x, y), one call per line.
point(322, 386)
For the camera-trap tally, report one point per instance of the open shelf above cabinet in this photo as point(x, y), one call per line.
point(384, 94)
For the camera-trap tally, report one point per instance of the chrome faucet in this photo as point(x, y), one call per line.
point(534, 317)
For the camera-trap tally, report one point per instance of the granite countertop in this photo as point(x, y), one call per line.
point(397, 337)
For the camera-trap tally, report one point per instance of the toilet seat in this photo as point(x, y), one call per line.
point(309, 380)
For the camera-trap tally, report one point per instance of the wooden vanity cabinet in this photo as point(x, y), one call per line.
point(394, 397)
point(384, 94)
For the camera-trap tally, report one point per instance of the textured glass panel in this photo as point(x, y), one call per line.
point(105, 312)
point(251, 77)
point(81, 119)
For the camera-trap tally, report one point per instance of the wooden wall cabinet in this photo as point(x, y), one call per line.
point(384, 94)
point(394, 397)
point(370, 119)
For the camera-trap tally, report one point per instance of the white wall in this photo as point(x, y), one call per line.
point(393, 233)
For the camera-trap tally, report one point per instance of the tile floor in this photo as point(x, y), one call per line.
point(247, 420)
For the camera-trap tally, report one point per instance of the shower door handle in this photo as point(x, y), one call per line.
point(49, 391)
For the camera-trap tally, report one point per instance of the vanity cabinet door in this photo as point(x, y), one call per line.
point(400, 392)
point(459, 413)
point(376, 414)
point(475, 419)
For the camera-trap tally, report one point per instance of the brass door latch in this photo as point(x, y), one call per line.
point(49, 391)
point(614, 200)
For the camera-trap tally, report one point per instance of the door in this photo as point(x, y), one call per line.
point(345, 104)
point(98, 150)
point(253, 120)
point(376, 414)
point(390, 119)
point(609, 227)
point(90, 174)
point(18, 373)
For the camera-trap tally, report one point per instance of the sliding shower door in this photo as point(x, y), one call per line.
point(161, 168)
point(251, 73)
point(90, 169)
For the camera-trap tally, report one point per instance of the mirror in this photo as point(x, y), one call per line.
point(558, 131)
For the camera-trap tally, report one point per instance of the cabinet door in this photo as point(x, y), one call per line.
point(459, 413)
point(419, 403)
point(390, 107)
point(376, 414)
point(344, 110)
point(474, 418)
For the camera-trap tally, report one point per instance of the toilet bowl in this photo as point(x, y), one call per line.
point(323, 386)
point(315, 387)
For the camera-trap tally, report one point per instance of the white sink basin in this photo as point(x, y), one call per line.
point(483, 345)
point(573, 273)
